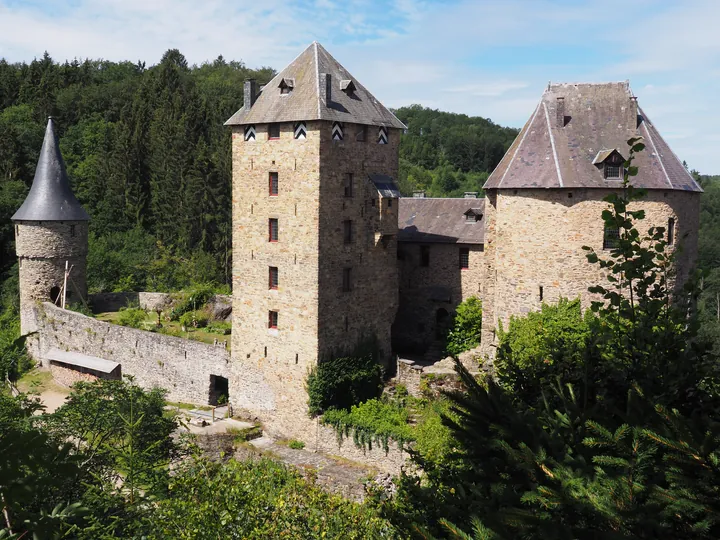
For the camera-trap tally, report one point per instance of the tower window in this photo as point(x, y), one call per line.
point(273, 131)
point(425, 256)
point(273, 230)
point(611, 238)
point(72, 231)
point(361, 135)
point(389, 203)
point(348, 184)
point(347, 279)
point(348, 231)
point(671, 232)
point(272, 319)
point(464, 258)
point(274, 183)
point(613, 172)
point(273, 278)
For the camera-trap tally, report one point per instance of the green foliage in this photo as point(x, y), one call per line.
point(132, 317)
point(222, 328)
point(296, 445)
point(340, 383)
point(192, 299)
point(466, 327)
point(194, 319)
point(257, 500)
point(374, 421)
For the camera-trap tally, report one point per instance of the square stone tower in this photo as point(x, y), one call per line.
point(314, 233)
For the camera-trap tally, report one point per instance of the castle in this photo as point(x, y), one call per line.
point(327, 255)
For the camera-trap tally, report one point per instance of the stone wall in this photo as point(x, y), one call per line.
point(535, 239)
point(327, 442)
point(183, 367)
point(68, 376)
point(425, 290)
point(103, 302)
point(43, 248)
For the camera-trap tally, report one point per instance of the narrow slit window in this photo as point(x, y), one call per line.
point(671, 232)
point(272, 319)
point(541, 293)
point(361, 135)
point(273, 131)
point(273, 230)
point(348, 184)
point(274, 184)
point(347, 279)
point(425, 256)
point(390, 203)
point(273, 278)
point(348, 231)
point(72, 230)
point(464, 258)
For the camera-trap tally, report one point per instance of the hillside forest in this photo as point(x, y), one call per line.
point(602, 424)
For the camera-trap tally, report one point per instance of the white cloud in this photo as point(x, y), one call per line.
point(491, 58)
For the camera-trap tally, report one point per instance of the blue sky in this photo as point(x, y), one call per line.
point(491, 58)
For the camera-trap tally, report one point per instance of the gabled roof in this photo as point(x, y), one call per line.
point(308, 101)
point(428, 220)
point(50, 197)
point(553, 153)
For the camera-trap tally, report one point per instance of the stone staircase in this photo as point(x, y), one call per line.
point(434, 353)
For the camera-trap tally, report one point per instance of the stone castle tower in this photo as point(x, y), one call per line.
point(545, 198)
point(314, 232)
point(51, 232)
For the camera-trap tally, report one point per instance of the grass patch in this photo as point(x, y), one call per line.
point(188, 406)
point(243, 435)
point(296, 445)
point(38, 381)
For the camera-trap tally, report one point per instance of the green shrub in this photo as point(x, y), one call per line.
point(194, 319)
point(132, 317)
point(340, 383)
point(222, 328)
point(540, 346)
point(192, 300)
point(374, 421)
point(296, 445)
point(466, 327)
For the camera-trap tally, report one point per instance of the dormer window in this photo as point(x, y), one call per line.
point(286, 85)
point(348, 87)
point(473, 215)
point(613, 172)
point(611, 163)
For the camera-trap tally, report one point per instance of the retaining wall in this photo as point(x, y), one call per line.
point(183, 367)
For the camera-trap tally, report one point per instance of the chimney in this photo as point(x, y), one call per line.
point(470, 195)
point(418, 194)
point(326, 88)
point(634, 120)
point(560, 111)
point(250, 93)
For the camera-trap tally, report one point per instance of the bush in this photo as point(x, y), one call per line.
point(222, 328)
point(132, 317)
point(374, 421)
point(340, 383)
point(296, 445)
point(194, 319)
point(193, 300)
point(542, 345)
point(467, 324)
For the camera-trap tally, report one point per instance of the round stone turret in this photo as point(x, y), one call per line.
point(51, 234)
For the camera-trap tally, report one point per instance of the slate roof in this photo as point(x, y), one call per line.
point(307, 101)
point(385, 185)
point(598, 118)
point(50, 197)
point(82, 360)
point(429, 220)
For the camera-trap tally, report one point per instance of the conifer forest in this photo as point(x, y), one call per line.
point(601, 424)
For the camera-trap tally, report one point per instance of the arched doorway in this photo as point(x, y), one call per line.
point(54, 294)
point(442, 320)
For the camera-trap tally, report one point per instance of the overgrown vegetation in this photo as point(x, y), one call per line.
point(466, 327)
point(344, 381)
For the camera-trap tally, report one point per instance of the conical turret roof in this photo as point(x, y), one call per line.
point(50, 197)
point(321, 89)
